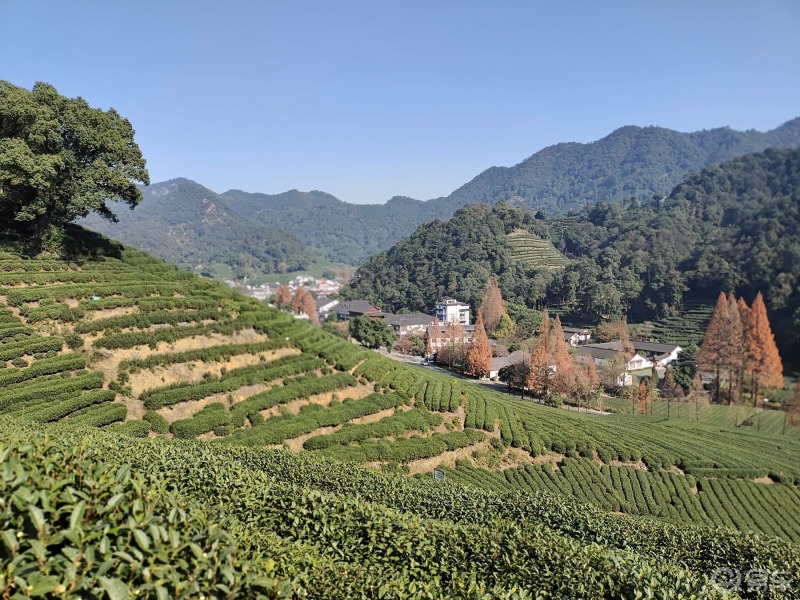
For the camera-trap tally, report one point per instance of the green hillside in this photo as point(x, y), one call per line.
point(535, 252)
point(241, 452)
point(731, 228)
point(188, 224)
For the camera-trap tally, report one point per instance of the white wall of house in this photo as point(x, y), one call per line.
point(451, 310)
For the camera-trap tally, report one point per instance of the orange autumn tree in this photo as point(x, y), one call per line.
point(644, 397)
point(479, 357)
point(713, 348)
point(564, 380)
point(746, 319)
point(303, 303)
point(492, 306)
point(539, 374)
point(432, 341)
point(626, 347)
point(283, 296)
point(763, 360)
point(733, 351)
point(544, 333)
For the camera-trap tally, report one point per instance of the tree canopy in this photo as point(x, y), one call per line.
point(732, 227)
point(61, 159)
point(373, 333)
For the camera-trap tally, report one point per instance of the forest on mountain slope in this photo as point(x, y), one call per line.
point(295, 228)
point(191, 226)
point(732, 227)
point(631, 161)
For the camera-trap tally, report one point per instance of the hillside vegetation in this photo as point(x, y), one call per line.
point(187, 224)
point(733, 227)
point(230, 439)
point(191, 226)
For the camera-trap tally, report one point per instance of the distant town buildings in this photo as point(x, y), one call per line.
point(318, 287)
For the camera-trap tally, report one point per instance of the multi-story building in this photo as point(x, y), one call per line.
point(452, 310)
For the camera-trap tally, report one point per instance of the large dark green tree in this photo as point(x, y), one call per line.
point(371, 332)
point(61, 159)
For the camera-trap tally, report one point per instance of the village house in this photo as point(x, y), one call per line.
point(450, 310)
point(647, 354)
point(325, 306)
point(501, 362)
point(349, 310)
point(575, 336)
point(443, 339)
point(409, 324)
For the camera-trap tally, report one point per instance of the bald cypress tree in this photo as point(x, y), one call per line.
point(492, 306)
point(479, 357)
point(283, 296)
point(712, 350)
point(564, 381)
point(766, 365)
point(734, 348)
point(303, 303)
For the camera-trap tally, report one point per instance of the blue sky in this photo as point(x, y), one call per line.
point(370, 99)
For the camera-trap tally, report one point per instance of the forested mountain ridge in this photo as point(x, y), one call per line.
point(336, 230)
point(189, 225)
point(733, 227)
point(631, 161)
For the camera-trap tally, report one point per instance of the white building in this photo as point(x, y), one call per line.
point(452, 310)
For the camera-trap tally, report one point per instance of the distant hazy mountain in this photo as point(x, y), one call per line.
point(189, 225)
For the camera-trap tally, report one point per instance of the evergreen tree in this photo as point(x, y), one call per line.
point(479, 357)
point(61, 159)
point(505, 328)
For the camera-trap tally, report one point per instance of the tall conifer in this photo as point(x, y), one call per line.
point(712, 351)
point(766, 365)
point(479, 357)
point(734, 348)
point(492, 306)
point(564, 381)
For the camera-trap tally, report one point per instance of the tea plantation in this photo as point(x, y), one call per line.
point(162, 436)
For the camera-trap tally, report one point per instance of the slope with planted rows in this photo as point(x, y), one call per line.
point(111, 338)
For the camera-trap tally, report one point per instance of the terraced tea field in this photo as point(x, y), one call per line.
point(685, 330)
point(536, 252)
point(130, 344)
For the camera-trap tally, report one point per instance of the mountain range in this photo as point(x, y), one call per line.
point(246, 233)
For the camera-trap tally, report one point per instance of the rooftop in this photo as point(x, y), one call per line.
point(357, 306)
point(499, 362)
point(417, 318)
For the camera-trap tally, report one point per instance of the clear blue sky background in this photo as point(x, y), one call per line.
point(370, 99)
